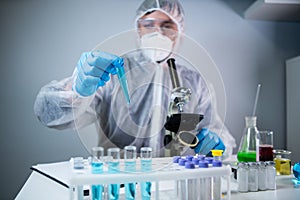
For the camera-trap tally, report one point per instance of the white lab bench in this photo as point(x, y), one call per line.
point(53, 181)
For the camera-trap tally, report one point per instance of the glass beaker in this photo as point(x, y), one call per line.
point(248, 149)
point(282, 159)
point(266, 145)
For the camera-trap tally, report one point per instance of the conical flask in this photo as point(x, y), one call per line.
point(249, 145)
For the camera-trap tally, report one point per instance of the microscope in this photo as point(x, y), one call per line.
point(179, 125)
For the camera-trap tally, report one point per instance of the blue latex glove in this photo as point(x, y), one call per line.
point(94, 69)
point(208, 141)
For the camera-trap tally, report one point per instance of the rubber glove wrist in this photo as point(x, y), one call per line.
point(208, 141)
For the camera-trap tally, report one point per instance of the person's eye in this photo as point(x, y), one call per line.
point(147, 23)
point(168, 25)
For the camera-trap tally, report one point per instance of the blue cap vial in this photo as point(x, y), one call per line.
point(189, 158)
point(217, 163)
point(203, 164)
point(196, 161)
point(201, 157)
point(181, 161)
point(176, 159)
point(189, 165)
point(209, 160)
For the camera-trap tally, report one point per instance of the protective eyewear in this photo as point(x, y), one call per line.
point(166, 27)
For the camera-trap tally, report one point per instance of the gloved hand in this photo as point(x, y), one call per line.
point(94, 69)
point(208, 141)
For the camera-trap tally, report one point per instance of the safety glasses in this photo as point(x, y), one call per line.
point(165, 27)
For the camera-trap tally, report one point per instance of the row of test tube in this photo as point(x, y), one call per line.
point(206, 188)
point(113, 166)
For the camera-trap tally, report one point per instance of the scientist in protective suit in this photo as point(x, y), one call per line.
point(93, 95)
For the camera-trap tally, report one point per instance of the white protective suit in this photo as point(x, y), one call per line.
point(141, 123)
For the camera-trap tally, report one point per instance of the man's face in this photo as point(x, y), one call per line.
point(160, 22)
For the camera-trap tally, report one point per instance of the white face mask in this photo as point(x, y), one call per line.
point(156, 46)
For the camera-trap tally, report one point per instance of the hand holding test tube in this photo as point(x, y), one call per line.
point(94, 69)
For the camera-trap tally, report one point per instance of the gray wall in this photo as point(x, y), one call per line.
point(42, 40)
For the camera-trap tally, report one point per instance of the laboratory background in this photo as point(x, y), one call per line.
point(43, 40)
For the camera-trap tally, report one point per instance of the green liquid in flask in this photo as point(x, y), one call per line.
point(246, 156)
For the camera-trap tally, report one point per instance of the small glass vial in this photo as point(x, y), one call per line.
point(97, 168)
point(146, 166)
point(192, 184)
point(242, 177)
point(253, 177)
point(78, 163)
point(205, 187)
point(271, 174)
point(130, 167)
point(217, 193)
point(262, 176)
point(113, 168)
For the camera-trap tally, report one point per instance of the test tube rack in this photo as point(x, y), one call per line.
point(163, 169)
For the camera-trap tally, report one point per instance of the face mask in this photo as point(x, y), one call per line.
point(156, 46)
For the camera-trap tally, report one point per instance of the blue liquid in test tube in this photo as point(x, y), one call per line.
point(113, 168)
point(146, 166)
point(97, 168)
point(130, 166)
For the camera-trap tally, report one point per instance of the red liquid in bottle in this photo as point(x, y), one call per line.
point(265, 152)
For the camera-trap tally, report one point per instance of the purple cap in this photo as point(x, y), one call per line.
point(203, 164)
point(189, 158)
point(176, 159)
point(195, 161)
point(209, 160)
point(189, 165)
point(217, 163)
point(181, 161)
point(201, 157)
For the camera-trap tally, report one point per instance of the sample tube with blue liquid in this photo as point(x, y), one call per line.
point(113, 163)
point(130, 166)
point(146, 166)
point(97, 168)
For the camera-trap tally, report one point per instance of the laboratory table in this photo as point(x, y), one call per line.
point(44, 185)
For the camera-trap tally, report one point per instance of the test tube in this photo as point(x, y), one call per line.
point(130, 166)
point(192, 184)
point(146, 166)
point(97, 168)
point(217, 193)
point(205, 189)
point(113, 168)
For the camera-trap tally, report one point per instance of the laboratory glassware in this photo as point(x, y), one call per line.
point(242, 177)
point(130, 167)
point(282, 159)
point(97, 168)
point(253, 177)
point(146, 166)
point(248, 149)
point(266, 145)
point(113, 162)
point(271, 174)
point(262, 176)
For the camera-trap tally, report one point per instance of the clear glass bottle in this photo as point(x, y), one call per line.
point(146, 166)
point(253, 177)
point(249, 145)
point(271, 174)
point(242, 177)
point(262, 176)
